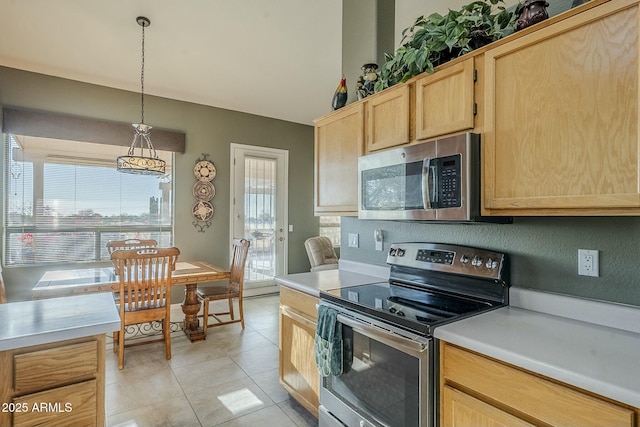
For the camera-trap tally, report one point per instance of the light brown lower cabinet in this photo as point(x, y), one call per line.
point(479, 391)
point(298, 371)
point(57, 384)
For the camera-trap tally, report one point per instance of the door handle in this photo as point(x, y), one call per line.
point(426, 193)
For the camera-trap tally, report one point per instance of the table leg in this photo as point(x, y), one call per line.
point(190, 308)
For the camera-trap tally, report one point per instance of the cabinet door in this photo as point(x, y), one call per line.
point(561, 134)
point(462, 410)
point(298, 371)
point(338, 144)
point(445, 101)
point(522, 393)
point(72, 405)
point(388, 118)
point(58, 383)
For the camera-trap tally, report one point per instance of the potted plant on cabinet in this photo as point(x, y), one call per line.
point(436, 39)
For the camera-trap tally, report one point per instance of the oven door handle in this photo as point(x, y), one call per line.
point(406, 345)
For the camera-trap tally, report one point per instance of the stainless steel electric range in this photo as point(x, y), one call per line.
point(390, 370)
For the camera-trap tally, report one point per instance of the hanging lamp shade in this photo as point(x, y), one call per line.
point(149, 164)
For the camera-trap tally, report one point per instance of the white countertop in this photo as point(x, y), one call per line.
point(592, 345)
point(349, 274)
point(602, 359)
point(28, 323)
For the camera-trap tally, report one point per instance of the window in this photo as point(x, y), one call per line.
point(330, 227)
point(64, 200)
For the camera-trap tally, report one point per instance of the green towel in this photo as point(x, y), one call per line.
point(328, 342)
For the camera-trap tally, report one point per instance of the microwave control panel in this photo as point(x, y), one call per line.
point(449, 191)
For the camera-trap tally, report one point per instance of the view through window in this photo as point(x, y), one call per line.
point(64, 200)
point(330, 227)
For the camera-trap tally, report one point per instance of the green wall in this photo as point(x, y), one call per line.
point(543, 251)
point(208, 130)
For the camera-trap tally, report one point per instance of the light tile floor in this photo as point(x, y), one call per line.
point(229, 380)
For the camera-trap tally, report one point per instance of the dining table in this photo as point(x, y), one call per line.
point(58, 283)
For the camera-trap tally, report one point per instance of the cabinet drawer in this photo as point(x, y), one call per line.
point(526, 393)
point(72, 405)
point(299, 301)
point(42, 369)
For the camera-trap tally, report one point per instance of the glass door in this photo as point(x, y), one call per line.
point(260, 212)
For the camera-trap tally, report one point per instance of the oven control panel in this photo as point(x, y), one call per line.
point(453, 259)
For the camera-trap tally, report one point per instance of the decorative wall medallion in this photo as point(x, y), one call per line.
point(204, 170)
point(204, 190)
point(202, 211)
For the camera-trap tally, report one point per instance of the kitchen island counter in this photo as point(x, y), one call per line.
point(535, 334)
point(52, 352)
point(29, 323)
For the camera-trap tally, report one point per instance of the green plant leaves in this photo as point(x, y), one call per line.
point(436, 39)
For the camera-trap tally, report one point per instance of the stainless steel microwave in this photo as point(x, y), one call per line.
point(431, 181)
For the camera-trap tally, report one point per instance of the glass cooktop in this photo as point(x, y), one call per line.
point(413, 308)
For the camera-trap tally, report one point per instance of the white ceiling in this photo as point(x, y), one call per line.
point(275, 58)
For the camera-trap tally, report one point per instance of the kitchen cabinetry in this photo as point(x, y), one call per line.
point(57, 384)
point(426, 107)
point(339, 141)
point(387, 118)
point(298, 371)
point(476, 390)
point(445, 100)
point(561, 119)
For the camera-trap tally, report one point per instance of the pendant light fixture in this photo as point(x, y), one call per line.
point(143, 165)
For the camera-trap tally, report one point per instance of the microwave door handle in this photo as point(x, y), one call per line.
point(434, 183)
point(426, 190)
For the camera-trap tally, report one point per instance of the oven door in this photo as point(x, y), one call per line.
point(389, 382)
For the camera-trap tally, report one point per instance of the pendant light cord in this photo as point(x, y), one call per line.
point(142, 77)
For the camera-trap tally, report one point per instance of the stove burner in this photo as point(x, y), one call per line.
point(407, 308)
point(410, 310)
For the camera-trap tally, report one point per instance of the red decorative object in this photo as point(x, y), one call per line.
point(340, 97)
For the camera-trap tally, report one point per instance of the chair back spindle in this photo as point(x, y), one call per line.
point(147, 278)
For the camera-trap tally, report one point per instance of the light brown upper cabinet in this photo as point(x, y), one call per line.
point(339, 141)
point(387, 118)
point(561, 117)
point(445, 100)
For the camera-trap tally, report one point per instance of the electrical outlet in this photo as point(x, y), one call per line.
point(353, 240)
point(588, 262)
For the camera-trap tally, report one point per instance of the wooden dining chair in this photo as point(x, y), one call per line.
point(145, 291)
point(227, 290)
point(114, 245)
point(3, 294)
